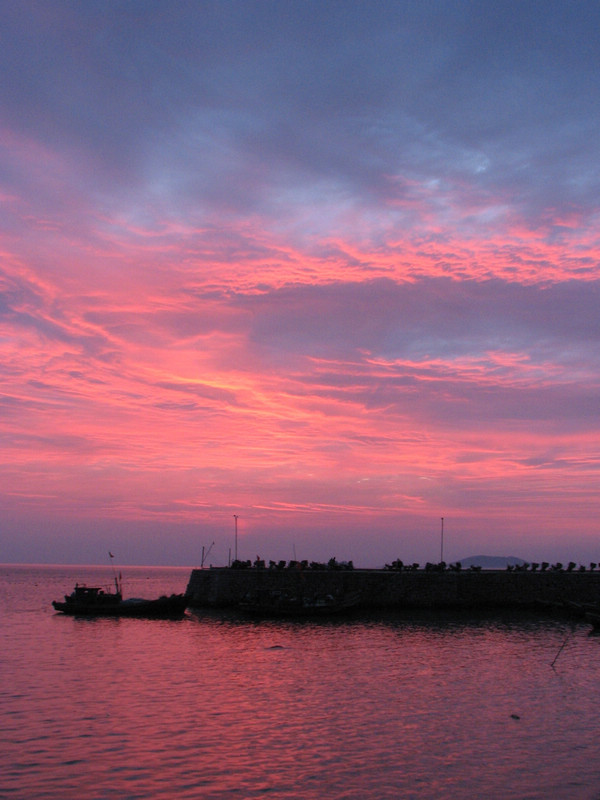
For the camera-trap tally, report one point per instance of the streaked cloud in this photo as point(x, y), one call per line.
point(334, 264)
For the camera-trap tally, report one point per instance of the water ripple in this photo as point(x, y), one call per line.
point(218, 708)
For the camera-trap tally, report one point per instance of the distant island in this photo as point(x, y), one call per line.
point(491, 562)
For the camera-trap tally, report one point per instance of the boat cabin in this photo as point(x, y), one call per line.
point(91, 595)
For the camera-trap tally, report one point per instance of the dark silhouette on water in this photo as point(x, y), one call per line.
point(276, 603)
point(94, 601)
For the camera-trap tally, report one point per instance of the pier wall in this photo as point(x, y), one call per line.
point(386, 589)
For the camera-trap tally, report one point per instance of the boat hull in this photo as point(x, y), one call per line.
point(274, 605)
point(172, 607)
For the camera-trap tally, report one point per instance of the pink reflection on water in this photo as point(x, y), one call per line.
point(214, 706)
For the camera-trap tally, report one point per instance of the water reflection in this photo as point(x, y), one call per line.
point(217, 706)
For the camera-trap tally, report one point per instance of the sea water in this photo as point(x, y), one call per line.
point(217, 706)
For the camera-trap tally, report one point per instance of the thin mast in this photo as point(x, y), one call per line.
point(117, 581)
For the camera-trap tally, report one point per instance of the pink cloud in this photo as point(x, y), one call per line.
point(348, 307)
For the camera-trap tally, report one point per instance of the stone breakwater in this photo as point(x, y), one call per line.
point(224, 587)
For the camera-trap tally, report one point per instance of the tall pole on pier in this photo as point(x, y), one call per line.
point(235, 516)
point(442, 543)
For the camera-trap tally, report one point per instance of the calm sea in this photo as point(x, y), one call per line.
point(216, 706)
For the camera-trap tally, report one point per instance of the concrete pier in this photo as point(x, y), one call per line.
point(389, 589)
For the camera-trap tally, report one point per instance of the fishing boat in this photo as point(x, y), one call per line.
point(94, 601)
point(275, 603)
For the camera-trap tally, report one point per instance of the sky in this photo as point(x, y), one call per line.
point(331, 267)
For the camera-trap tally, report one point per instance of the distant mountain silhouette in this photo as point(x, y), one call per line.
point(491, 562)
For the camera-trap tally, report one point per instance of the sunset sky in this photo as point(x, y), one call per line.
point(333, 267)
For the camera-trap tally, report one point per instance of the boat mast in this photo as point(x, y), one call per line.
point(117, 580)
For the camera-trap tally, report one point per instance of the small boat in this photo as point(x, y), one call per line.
point(94, 601)
point(283, 604)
